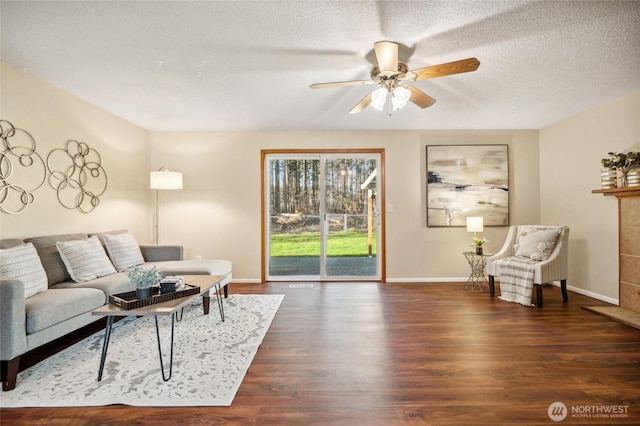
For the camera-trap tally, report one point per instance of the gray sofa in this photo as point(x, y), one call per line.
point(66, 305)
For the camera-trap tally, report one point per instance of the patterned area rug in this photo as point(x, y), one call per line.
point(210, 360)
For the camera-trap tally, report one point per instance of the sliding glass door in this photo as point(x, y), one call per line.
point(294, 225)
point(350, 249)
point(323, 216)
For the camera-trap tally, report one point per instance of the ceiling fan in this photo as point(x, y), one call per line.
point(390, 73)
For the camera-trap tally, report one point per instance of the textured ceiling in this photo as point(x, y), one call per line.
point(247, 65)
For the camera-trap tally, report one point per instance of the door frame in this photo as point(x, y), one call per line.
point(380, 187)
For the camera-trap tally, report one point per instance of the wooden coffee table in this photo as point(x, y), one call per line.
point(207, 284)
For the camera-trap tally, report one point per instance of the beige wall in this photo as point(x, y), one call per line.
point(552, 173)
point(217, 214)
point(570, 154)
point(53, 117)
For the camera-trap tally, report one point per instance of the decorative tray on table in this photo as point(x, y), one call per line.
point(129, 299)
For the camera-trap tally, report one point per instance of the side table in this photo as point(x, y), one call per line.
point(478, 278)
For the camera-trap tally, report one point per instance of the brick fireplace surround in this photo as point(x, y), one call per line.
point(628, 252)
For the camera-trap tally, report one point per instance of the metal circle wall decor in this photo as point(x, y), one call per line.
point(22, 170)
point(77, 175)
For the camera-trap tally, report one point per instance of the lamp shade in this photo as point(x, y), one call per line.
point(165, 179)
point(378, 98)
point(474, 224)
point(400, 97)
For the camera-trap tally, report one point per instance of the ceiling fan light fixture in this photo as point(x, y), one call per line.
point(390, 73)
point(400, 97)
point(378, 98)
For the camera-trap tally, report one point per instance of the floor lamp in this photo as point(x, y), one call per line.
point(163, 179)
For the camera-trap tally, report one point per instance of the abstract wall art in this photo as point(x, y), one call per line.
point(22, 170)
point(77, 175)
point(467, 180)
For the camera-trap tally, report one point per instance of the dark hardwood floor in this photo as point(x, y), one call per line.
point(398, 354)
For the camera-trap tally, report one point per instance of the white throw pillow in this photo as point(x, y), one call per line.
point(537, 245)
point(123, 251)
point(85, 259)
point(23, 263)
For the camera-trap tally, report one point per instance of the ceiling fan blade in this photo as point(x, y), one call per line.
point(340, 84)
point(387, 55)
point(456, 67)
point(419, 98)
point(362, 104)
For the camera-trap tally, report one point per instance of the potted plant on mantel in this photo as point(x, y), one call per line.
point(623, 163)
point(144, 280)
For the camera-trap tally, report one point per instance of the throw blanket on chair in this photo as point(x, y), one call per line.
point(516, 280)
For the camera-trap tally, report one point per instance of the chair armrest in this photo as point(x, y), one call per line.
point(154, 253)
point(506, 251)
point(13, 320)
point(502, 254)
point(556, 266)
point(544, 270)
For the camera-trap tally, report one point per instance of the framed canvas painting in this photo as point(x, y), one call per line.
point(467, 180)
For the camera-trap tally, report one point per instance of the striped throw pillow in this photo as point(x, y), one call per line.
point(85, 259)
point(23, 263)
point(123, 251)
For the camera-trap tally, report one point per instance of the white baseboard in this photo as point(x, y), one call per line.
point(591, 294)
point(464, 279)
point(389, 280)
point(454, 280)
point(588, 293)
point(428, 280)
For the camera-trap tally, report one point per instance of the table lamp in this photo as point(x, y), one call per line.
point(475, 225)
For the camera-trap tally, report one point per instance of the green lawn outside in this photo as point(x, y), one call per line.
point(308, 244)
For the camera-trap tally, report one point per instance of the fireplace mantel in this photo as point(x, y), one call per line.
point(629, 191)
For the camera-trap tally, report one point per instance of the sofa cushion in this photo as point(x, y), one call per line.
point(85, 259)
point(101, 235)
point(163, 253)
point(123, 251)
point(50, 257)
point(109, 284)
point(54, 306)
point(23, 263)
point(10, 242)
point(537, 245)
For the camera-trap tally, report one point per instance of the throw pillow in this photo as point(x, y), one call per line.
point(23, 263)
point(85, 259)
point(537, 245)
point(50, 256)
point(123, 251)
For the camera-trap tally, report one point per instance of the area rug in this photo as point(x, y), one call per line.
point(210, 360)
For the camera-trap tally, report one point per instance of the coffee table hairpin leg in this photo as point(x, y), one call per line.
point(219, 300)
point(105, 345)
point(164, 377)
point(107, 337)
point(181, 315)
